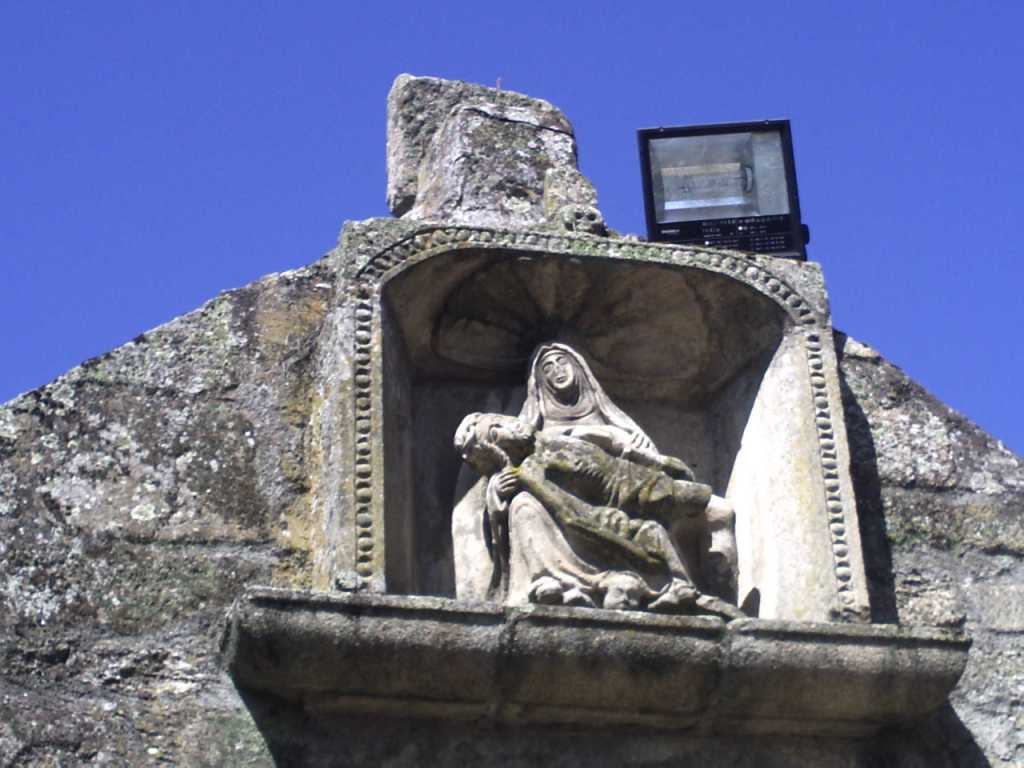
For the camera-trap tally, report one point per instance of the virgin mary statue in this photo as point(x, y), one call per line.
point(573, 496)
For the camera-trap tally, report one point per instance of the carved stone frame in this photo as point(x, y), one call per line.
point(801, 300)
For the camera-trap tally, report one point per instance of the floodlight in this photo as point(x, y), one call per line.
point(731, 185)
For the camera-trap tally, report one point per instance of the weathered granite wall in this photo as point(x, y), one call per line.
point(942, 510)
point(138, 494)
point(143, 490)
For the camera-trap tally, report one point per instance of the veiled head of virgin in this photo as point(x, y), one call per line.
point(560, 374)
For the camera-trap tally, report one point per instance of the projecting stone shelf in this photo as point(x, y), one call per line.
point(436, 657)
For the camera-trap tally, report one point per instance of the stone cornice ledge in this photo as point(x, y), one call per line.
point(435, 657)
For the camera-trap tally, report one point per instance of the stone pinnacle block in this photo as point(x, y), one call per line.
point(472, 155)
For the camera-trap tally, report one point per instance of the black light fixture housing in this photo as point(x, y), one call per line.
point(728, 185)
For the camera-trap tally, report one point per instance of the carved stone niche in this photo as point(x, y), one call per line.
point(725, 360)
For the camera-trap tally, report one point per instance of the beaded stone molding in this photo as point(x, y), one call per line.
point(429, 242)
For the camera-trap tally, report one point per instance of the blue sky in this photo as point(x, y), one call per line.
point(153, 154)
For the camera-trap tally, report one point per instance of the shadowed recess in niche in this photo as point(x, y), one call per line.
point(682, 350)
point(649, 331)
point(868, 488)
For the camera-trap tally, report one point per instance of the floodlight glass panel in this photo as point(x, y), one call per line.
point(718, 176)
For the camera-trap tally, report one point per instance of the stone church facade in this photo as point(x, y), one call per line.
point(246, 538)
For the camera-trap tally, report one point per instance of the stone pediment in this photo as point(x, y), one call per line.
point(299, 432)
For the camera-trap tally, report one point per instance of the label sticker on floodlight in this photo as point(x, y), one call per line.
point(729, 186)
